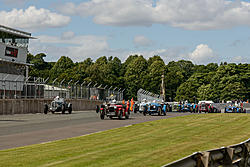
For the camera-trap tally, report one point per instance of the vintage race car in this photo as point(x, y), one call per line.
point(234, 109)
point(112, 110)
point(58, 105)
point(153, 108)
point(204, 107)
point(142, 106)
point(185, 108)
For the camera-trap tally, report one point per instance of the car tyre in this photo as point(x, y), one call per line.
point(97, 109)
point(46, 108)
point(127, 115)
point(159, 111)
point(102, 115)
point(63, 109)
point(70, 109)
point(120, 114)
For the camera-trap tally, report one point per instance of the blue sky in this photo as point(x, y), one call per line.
point(202, 31)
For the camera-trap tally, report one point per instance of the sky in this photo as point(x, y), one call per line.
point(203, 31)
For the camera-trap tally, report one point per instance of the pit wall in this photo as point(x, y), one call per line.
point(27, 106)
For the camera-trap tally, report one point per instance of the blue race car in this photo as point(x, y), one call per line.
point(234, 109)
point(154, 108)
point(185, 108)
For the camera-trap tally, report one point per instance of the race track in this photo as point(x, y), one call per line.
point(27, 129)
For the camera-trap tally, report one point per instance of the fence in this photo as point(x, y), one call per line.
point(143, 94)
point(233, 156)
point(39, 88)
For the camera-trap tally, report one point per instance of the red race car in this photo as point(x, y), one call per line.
point(112, 110)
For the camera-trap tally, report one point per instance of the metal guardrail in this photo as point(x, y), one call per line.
point(143, 94)
point(232, 156)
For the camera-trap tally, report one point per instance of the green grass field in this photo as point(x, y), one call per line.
point(147, 144)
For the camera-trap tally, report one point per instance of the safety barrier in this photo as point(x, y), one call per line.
point(149, 96)
point(232, 156)
point(26, 106)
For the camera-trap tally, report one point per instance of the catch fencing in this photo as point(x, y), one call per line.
point(233, 156)
point(143, 94)
point(38, 88)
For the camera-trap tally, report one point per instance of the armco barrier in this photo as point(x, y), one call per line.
point(25, 106)
point(233, 156)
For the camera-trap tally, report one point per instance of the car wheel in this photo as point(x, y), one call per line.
point(102, 115)
point(46, 108)
point(120, 114)
point(144, 111)
point(127, 115)
point(97, 109)
point(159, 111)
point(63, 109)
point(70, 110)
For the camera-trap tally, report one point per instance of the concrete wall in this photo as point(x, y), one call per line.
point(25, 106)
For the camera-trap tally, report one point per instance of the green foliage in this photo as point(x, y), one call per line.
point(40, 68)
point(153, 78)
point(135, 76)
point(177, 73)
point(62, 68)
point(227, 82)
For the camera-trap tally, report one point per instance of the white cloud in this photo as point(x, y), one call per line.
point(170, 54)
point(203, 55)
point(14, 2)
point(240, 59)
point(33, 18)
point(67, 35)
point(113, 12)
point(79, 48)
point(188, 14)
point(142, 41)
point(76, 47)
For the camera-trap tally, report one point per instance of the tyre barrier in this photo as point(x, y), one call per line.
point(233, 156)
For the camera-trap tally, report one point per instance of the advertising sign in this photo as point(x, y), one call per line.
point(11, 52)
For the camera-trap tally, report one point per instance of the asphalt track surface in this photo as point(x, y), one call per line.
point(28, 129)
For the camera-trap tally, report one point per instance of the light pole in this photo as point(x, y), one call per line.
point(81, 89)
point(70, 89)
point(76, 89)
point(61, 92)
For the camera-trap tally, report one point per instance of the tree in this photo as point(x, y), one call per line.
point(177, 73)
point(135, 76)
point(154, 76)
point(151, 60)
point(40, 68)
point(63, 65)
point(189, 89)
point(96, 71)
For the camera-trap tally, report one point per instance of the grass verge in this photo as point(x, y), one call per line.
point(147, 144)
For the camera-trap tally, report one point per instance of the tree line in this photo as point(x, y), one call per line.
point(183, 79)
